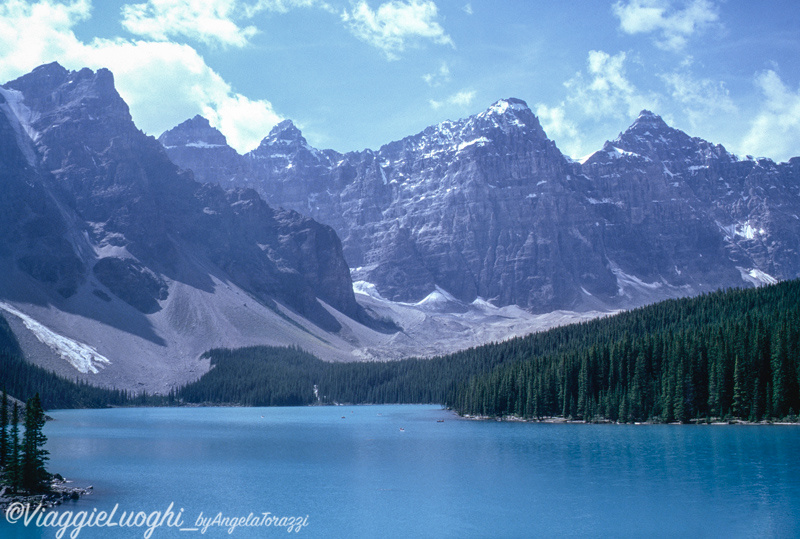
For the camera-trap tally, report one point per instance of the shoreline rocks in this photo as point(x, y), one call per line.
point(60, 492)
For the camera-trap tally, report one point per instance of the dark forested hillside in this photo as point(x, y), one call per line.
point(728, 354)
point(725, 354)
point(272, 376)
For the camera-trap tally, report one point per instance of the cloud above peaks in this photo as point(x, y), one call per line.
point(555, 123)
point(207, 21)
point(699, 99)
point(439, 77)
point(673, 26)
point(395, 24)
point(605, 90)
point(34, 34)
point(284, 6)
point(776, 127)
point(464, 98)
point(149, 74)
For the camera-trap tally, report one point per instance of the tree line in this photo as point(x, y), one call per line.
point(723, 355)
point(727, 354)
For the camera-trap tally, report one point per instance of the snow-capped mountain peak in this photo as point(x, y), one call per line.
point(508, 114)
point(505, 105)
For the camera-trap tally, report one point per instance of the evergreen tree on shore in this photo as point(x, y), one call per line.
point(34, 456)
point(4, 430)
point(14, 473)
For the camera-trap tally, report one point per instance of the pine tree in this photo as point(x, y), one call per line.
point(739, 383)
point(34, 475)
point(583, 389)
point(14, 472)
point(780, 378)
point(681, 413)
point(4, 430)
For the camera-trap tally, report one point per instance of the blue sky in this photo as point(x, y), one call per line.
point(357, 74)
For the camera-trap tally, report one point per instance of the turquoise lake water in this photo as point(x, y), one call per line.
point(352, 472)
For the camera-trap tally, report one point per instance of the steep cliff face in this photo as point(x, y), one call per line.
point(131, 197)
point(34, 232)
point(691, 214)
point(96, 221)
point(488, 207)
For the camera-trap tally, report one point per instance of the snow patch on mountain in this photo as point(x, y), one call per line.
point(83, 357)
point(366, 289)
point(437, 299)
point(626, 282)
point(21, 118)
point(756, 277)
point(744, 230)
point(478, 141)
point(504, 105)
point(441, 324)
point(747, 231)
point(202, 144)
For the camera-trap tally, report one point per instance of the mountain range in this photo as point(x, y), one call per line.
point(488, 207)
point(125, 257)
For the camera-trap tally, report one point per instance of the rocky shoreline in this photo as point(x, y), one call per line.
point(60, 492)
point(598, 421)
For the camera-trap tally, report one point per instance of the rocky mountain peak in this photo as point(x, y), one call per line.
point(286, 131)
point(650, 126)
point(504, 120)
point(41, 81)
point(511, 104)
point(510, 107)
point(56, 94)
point(651, 137)
point(284, 135)
point(510, 114)
point(196, 132)
point(487, 206)
point(649, 119)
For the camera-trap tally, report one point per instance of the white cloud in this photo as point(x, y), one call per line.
point(462, 99)
point(33, 34)
point(284, 6)
point(606, 91)
point(468, 9)
point(163, 83)
point(208, 21)
point(775, 131)
point(439, 77)
point(700, 99)
point(246, 121)
point(395, 23)
point(555, 123)
point(674, 26)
